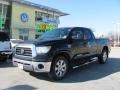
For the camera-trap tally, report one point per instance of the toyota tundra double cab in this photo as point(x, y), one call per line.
point(56, 51)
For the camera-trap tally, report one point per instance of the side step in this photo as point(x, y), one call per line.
point(91, 61)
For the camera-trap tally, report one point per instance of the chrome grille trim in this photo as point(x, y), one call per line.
point(29, 50)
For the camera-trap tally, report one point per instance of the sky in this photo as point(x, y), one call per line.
point(102, 16)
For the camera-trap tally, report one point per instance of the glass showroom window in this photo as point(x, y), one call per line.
point(23, 34)
point(38, 16)
point(0, 9)
point(5, 13)
point(0, 17)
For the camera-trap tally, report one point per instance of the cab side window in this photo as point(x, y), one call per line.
point(77, 34)
point(87, 35)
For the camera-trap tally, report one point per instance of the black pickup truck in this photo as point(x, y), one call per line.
point(56, 51)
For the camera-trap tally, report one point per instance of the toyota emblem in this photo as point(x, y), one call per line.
point(22, 51)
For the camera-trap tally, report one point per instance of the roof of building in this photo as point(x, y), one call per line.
point(40, 7)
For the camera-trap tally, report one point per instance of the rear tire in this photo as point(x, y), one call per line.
point(102, 59)
point(59, 68)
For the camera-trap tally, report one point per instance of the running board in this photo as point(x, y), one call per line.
point(92, 60)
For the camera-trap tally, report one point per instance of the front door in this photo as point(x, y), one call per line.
point(79, 48)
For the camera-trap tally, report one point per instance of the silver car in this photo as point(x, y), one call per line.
point(15, 42)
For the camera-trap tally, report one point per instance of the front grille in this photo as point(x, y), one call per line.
point(23, 51)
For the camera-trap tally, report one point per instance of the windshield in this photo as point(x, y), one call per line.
point(60, 33)
point(17, 41)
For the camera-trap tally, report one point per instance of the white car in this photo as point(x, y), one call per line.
point(15, 42)
point(5, 47)
point(116, 44)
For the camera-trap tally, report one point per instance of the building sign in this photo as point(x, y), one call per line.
point(24, 17)
point(45, 27)
point(51, 20)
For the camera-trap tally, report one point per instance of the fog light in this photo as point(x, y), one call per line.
point(40, 66)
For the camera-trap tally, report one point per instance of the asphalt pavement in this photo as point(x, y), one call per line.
point(90, 77)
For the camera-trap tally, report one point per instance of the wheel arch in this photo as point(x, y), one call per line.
point(105, 48)
point(64, 54)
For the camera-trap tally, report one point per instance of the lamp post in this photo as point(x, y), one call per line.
point(116, 33)
point(118, 28)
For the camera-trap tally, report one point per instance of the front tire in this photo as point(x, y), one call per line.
point(102, 59)
point(59, 68)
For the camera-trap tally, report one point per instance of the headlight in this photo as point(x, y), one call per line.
point(43, 50)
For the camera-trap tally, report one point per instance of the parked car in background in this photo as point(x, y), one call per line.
point(15, 42)
point(5, 47)
point(111, 43)
point(58, 50)
point(116, 44)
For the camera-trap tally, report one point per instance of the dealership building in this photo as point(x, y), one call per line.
point(25, 20)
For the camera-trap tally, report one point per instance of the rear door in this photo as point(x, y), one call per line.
point(4, 42)
point(90, 42)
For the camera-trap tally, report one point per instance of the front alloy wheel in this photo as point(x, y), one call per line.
point(59, 68)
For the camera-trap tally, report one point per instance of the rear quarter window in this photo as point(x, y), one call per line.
point(88, 35)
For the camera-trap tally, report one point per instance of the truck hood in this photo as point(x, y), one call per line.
point(50, 42)
point(46, 42)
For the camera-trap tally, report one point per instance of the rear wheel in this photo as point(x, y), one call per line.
point(59, 68)
point(102, 59)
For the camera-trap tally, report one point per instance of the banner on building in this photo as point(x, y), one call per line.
point(45, 27)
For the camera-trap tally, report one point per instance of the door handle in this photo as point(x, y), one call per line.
point(85, 43)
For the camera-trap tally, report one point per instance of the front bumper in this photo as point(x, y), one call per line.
point(5, 52)
point(32, 66)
